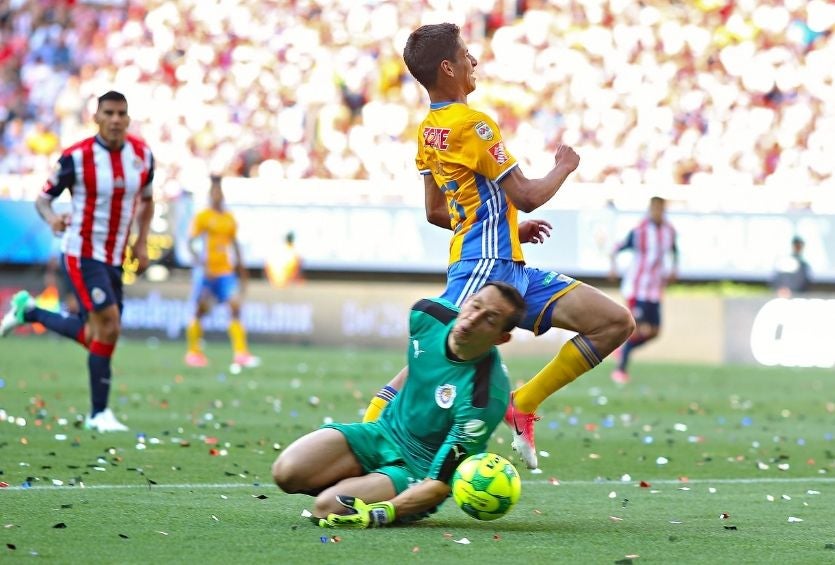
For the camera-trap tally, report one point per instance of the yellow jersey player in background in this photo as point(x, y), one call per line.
point(217, 278)
point(474, 187)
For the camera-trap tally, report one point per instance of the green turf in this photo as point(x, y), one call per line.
point(200, 489)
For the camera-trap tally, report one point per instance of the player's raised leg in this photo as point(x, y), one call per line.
point(22, 310)
point(602, 325)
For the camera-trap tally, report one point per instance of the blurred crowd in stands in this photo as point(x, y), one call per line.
point(718, 92)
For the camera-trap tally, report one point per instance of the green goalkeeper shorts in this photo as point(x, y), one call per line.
point(377, 453)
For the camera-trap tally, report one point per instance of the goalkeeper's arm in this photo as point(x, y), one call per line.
point(419, 498)
point(424, 496)
point(379, 403)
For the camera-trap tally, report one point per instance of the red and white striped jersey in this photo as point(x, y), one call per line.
point(105, 186)
point(646, 276)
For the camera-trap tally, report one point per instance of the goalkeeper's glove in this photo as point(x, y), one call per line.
point(374, 515)
point(379, 403)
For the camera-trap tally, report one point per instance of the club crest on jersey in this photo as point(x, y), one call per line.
point(97, 295)
point(445, 395)
point(498, 153)
point(483, 131)
point(436, 137)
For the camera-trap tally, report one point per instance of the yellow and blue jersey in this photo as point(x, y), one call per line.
point(464, 152)
point(220, 230)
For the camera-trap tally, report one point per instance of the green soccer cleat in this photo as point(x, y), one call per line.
point(21, 302)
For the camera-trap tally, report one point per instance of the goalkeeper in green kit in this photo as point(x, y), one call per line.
point(398, 468)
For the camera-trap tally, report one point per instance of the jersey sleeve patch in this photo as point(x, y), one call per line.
point(438, 311)
point(484, 131)
point(498, 153)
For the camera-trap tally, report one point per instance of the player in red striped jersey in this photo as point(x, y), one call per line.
point(651, 242)
point(109, 177)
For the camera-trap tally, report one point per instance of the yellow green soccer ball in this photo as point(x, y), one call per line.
point(486, 486)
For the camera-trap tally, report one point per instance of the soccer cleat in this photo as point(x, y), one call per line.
point(196, 359)
point(246, 360)
point(521, 424)
point(20, 303)
point(104, 421)
point(620, 376)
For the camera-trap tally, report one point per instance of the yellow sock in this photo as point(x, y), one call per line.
point(379, 403)
point(194, 333)
point(237, 336)
point(576, 357)
point(375, 408)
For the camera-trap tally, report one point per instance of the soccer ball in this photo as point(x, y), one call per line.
point(486, 486)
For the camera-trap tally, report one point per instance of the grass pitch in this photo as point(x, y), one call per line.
point(687, 464)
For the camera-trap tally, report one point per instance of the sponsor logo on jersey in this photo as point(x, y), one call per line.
point(498, 153)
point(483, 131)
point(436, 137)
point(475, 428)
point(416, 347)
point(445, 395)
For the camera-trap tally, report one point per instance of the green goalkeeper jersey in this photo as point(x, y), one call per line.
point(448, 408)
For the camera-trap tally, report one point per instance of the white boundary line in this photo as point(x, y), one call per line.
point(665, 482)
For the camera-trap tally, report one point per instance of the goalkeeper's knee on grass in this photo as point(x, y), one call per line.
point(379, 403)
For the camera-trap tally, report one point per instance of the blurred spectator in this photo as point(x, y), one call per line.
point(792, 273)
point(285, 265)
point(705, 92)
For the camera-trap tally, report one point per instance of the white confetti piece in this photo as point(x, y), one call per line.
point(762, 466)
point(793, 519)
point(654, 491)
point(462, 541)
point(683, 488)
point(783, 466)
point(545, 454)
point(162, 533)
point(769, 498)
point(306, 513)
point(785, 497)
point(711, 490)
point(676, 522)
point(625, 478)
point(224, 497)
point(613, 494)
point(215, 518)
point(813, 492)
point(57, 482)
point(662, 461)
point(680, 427)
point(615, 519)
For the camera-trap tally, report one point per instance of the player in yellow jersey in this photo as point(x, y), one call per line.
point(217, 277)
point(474, 187)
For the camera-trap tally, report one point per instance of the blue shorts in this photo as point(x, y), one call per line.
point(540, 289)
point(95, 284)
point(646, 312)
point(222, 288)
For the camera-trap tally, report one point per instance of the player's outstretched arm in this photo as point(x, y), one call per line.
point(529, 194)
point(358, 514)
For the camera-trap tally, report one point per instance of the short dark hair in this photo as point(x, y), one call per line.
point(658, 199)
point(215, 179)
point(512, 295)
point(113, 96)
point(427, 47)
